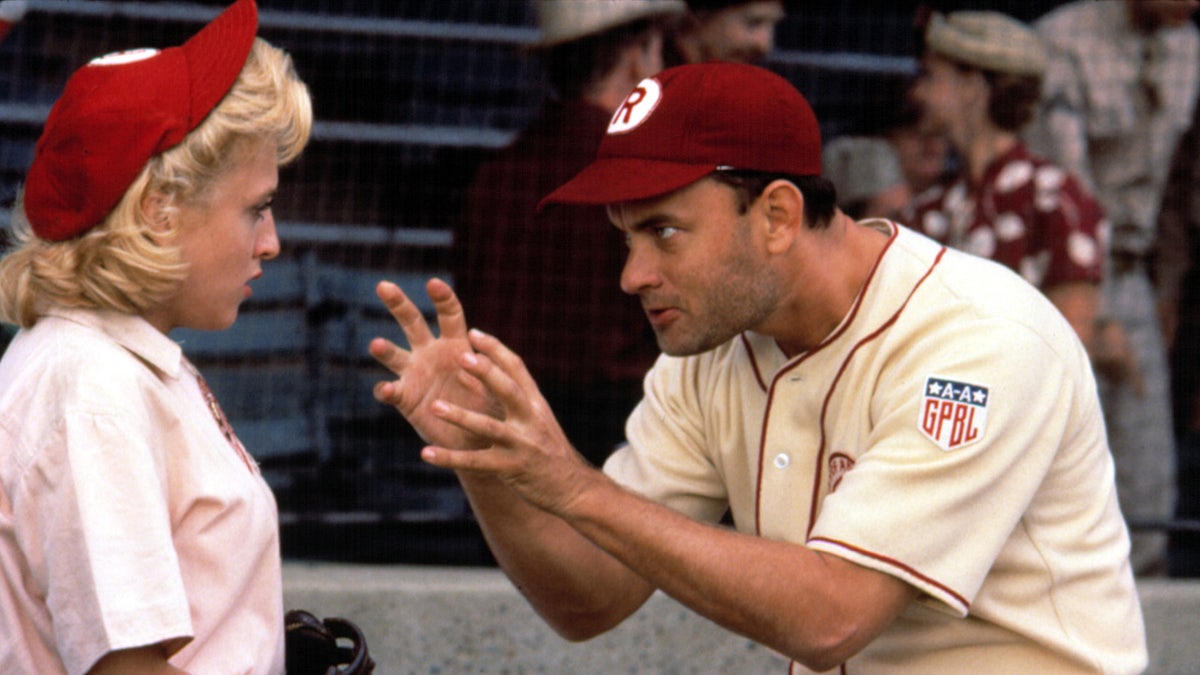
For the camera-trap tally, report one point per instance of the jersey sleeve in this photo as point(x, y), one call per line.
point(97, 533)
point(665, 459)
point(965, 432)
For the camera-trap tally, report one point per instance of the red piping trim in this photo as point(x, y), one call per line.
point(762, 437)
point(762, 384)
point(896, 563)
point(819, 469)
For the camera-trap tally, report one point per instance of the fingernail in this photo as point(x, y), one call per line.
point(478, 333)
point(439, 407)
point(470, 359)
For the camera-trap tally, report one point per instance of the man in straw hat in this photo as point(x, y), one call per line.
point(137, 534)
point(739, 31)
point(981, 75)
point(1122, 81)
point(582, 338)
point(906, 437)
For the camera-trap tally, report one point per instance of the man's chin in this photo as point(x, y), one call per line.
point(675, 348)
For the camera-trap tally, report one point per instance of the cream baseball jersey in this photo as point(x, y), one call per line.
point(947, 433)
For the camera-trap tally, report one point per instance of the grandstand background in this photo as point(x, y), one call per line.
point(410, 96)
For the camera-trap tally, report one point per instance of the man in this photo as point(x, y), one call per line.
point(594, 53)
point(1118, 95)
point(739, 31)
point(981, 75)
point(907, 438)
point(1178, 281)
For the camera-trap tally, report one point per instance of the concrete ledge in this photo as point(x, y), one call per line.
point(457, 620)
point(1172, 611)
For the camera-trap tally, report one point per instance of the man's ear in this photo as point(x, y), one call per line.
point(648, 60)
point(784, 205)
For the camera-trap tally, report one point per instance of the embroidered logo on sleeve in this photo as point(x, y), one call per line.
point(839, 465)
point(953, 414)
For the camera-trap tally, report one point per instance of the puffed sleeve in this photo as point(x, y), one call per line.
point(96, 530)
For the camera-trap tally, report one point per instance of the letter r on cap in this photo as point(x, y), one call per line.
point(636, 107)
point(626, 110)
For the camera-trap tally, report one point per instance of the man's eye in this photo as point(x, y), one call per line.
point(665, 232)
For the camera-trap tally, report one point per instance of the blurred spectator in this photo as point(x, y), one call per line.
point(1178, 277)
point(1119, 93)
point(545, 283)
point(11, 11)
point(742, 31)
point(867, 174)
point(980, 79)
point(890, 112)
point(925, 155)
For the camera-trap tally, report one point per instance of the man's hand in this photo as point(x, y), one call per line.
point(528, 450)
point(431, 370)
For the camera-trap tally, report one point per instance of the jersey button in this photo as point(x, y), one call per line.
point(782, 460)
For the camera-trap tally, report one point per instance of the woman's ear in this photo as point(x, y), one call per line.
point(784, 204)
point(157, 213)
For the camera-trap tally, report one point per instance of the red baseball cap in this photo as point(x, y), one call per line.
point(122, 109)
point(684, 123)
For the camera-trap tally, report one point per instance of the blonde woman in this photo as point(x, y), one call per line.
point(136, 533)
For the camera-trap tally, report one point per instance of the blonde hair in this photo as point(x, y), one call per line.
point(123, 263)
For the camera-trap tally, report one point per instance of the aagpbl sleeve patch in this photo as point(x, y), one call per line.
point(953, 414)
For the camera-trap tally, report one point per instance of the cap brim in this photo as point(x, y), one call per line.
point(622, 179)
point(217, 54)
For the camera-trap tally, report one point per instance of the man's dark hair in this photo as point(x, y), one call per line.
point(820, 196)
point(574, 66)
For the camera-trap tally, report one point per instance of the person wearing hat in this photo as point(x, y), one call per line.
point(1121, 86)
point(981, 75)
point(11, 12)
point(906, 438)
point(867, 174)
point(740, 31)
point(137, 534)
point(582, 338)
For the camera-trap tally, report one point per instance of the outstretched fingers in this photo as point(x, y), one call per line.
point(389, 354)
point(505, 360)
point(406, 313)
point(494, 432)
point(452, 320)
point(502, 372)
point(480, 424)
